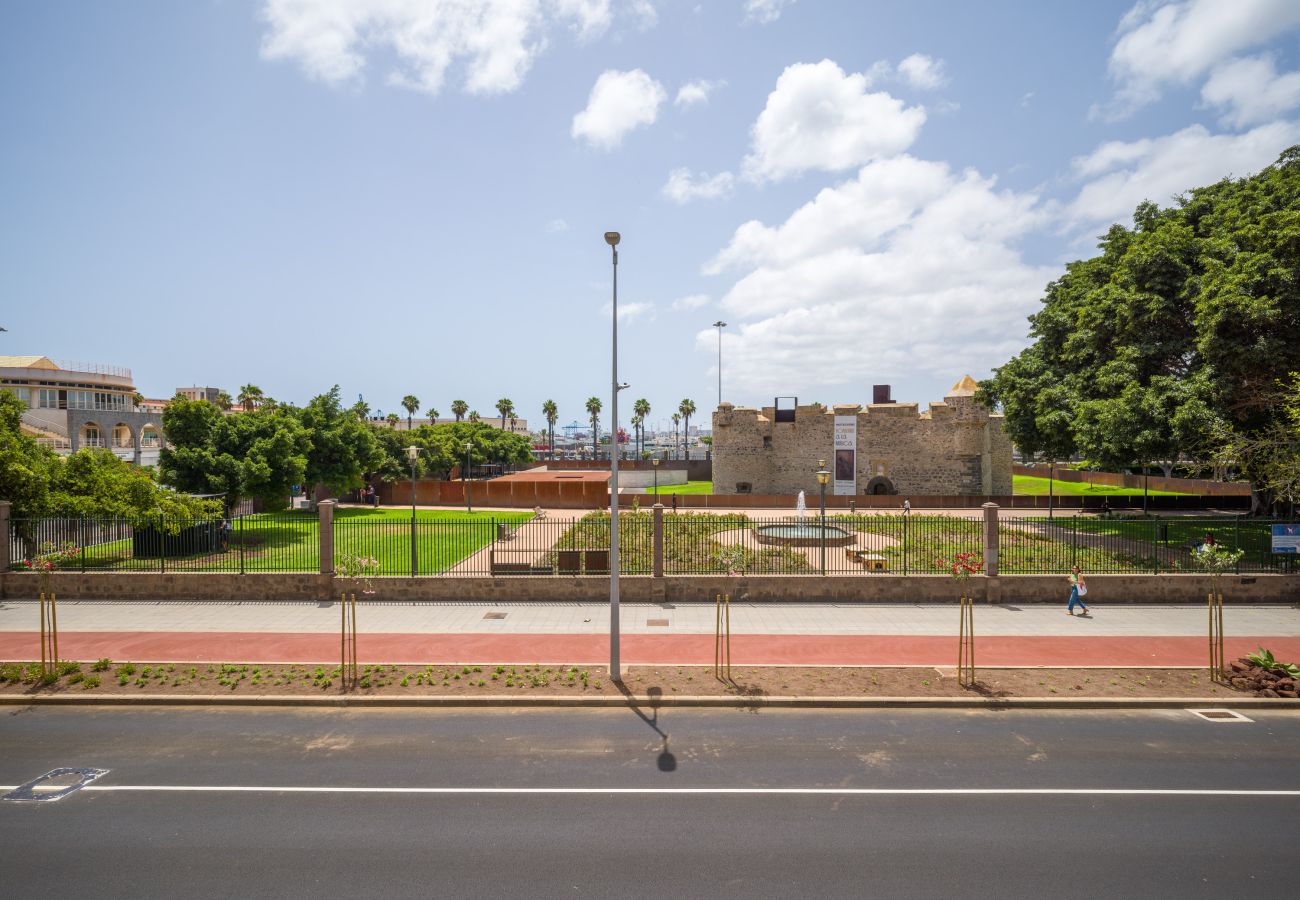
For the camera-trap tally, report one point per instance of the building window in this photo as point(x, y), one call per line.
point(744, 487)
point(767, 442)
point(49, 399)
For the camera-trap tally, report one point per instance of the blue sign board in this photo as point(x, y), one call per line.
point(1286, 538)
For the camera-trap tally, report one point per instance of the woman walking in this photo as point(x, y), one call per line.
point(1078, 589)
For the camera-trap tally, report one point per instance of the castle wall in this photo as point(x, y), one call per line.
point(956, 447)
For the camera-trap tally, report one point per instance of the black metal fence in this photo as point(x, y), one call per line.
point(692, 544)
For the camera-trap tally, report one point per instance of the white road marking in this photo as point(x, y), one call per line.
point(708, 791)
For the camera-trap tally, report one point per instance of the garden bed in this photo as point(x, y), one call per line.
point(106, 677)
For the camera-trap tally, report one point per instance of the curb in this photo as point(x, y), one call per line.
point(702, 702)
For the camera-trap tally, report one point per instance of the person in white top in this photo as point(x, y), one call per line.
point(1078, 588)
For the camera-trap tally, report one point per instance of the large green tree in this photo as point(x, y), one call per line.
point(343, 448)
point(1170, 341)
point(259, 454)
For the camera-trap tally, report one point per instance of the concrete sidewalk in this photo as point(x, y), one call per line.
point(776, 634)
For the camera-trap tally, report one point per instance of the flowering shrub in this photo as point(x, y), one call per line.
point(1216, 559)
point(962, 566)
point(360, 568)
point(52, 555)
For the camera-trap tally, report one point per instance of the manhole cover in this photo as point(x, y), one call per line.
point(657, 622)
point(494, 615)
point(1219, 715)
point(55, 784)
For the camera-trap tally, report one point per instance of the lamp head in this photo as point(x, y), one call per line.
point(412, 453)
point(612, 238)
point(719, 324)
point(823, 476)
point(655, 461)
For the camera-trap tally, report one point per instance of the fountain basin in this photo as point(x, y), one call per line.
point(803, 535)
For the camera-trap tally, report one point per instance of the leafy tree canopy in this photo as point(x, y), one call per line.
point(1175, 335)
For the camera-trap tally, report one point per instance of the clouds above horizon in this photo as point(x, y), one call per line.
point(493, 43)
point(1161, 44)
point(908, 265)
point(819, 117)
point(619, 102)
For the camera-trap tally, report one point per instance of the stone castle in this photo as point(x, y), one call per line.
point(957, 446)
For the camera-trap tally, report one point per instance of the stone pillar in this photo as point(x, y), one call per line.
point(658, 541)
point(990, 538)
point(325, 510)
point(5, 561)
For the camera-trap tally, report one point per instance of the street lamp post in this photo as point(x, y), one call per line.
point(464, 479)
point(655, 463)
point(823, 478)
point(413, 454)
point(1051, 481)
point(615, 668)
point(719, 325)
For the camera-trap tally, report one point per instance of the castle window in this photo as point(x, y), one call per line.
point(744, 487)
point(767, 442)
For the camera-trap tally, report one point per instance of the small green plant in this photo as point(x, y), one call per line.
point(1265, 660)
point(126, 670)
point(90, 681)
point(75, 677)
point(102, 665)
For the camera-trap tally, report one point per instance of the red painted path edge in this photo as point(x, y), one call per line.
point(638, 649)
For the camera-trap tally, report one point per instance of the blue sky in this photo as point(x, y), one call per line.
point(409, 196)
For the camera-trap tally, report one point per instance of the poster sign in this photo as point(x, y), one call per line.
point(844, 468)
point(1286, 538)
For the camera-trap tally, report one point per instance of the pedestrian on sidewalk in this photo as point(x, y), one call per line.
point(907, 506)
point(1078, 590)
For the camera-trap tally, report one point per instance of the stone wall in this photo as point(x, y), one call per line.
point(956, 447)
point(858, 588)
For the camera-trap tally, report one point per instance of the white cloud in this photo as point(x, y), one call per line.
point(619, 102)
point(681, 188)
point(907, 267)
point(691, 301)
point(1176, 42)
point(765, 11)
point(556, 226)
point(627, 312)
point(922, 72)
point(1250, 90)
point(1123, 174)
point(697, 91)
point(818, 117)
point(494, 42)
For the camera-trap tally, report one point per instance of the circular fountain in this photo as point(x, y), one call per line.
point(803, 534)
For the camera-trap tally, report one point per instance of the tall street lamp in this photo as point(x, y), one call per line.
point(413, 454)
point(464, 481)
point(655, 462)
point(719, 325)
point(823, 479)
point(615, 670)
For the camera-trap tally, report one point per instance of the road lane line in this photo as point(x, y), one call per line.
point(688, 791)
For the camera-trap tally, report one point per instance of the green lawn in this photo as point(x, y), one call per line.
point(690, 487)
point(288, 542)
point(1033, 485)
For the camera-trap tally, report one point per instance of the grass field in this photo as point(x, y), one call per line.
point(289, 542)
point(1033, 485)
point(690, 487)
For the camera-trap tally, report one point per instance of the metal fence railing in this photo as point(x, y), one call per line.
point(521, 544)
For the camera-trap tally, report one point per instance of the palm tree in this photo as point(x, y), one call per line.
point(636, 434)
point(392, 419)
point(459, 408)
point(432, 414)
point(362, 409)
point(505, 406)
point(224, 402)
point(593, 410)
point(677, 420)
point(687, 409)
point(410, 403)
point(473, 415)
point(249, 395)
point(642, 409)
point(552, 414)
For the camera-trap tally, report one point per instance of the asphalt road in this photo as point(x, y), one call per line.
point(114, 839)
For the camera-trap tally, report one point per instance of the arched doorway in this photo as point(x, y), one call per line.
point(123, 438)
point(90, 435)
point(879, 485)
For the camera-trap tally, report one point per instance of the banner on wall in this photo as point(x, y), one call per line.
point(844, 465)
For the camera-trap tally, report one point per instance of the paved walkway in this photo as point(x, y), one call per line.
point(768, 634)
